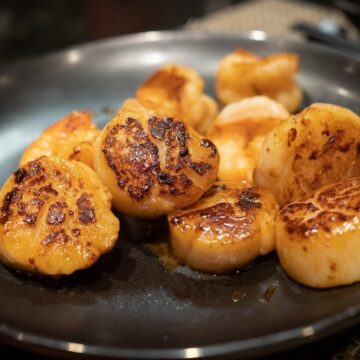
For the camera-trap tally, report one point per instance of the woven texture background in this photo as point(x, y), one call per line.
point(273, 16)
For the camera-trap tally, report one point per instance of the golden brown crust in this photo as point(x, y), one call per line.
point(137, 165)
point(325, 210)
point(32, 190)
point(314, 148)
point(318, 236)
point(136, 162)
point(226, 229)
point(333, 141)
point(55, 217)
point(230, 218)
point(27, 197)
point(152, 155)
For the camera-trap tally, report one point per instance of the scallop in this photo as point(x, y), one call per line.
point(71, 138)
point(317, 147)
point(179, 91)
point(226, 229)
point(318, 237)
point(242, 74)
point(153, 164)
point(55, 217)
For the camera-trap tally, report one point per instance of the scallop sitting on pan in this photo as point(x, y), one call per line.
point(153, 164)
point(71, 138)
point(179, 91)
point(319, 146)
point(318, 237)
point(226, 229)
point(239, 131)
point(242, 74)
point(55, 217)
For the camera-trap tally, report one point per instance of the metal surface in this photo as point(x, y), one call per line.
point(337, 40)
point(128, 305)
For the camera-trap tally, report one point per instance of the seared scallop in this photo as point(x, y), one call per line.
point(55, 217)
point(318, 237)
point(239, 131)
point(179, 91)
point(316, 147)
point(153, 164)
point(70, 138)
point(242, 74)
point(226, 229)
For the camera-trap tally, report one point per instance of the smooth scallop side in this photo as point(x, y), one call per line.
point(318, 237)
point(153, 164)
point(55, 217)
point(226, 229)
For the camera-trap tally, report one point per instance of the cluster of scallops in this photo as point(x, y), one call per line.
point(234, 184)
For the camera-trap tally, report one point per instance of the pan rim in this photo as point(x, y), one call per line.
point(250, 347)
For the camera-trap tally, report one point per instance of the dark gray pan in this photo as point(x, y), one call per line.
point(128, 305)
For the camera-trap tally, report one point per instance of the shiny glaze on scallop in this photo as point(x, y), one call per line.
point(226, 229)
point(318, 236)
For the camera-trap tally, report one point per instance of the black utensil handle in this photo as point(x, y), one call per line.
point(337, 41)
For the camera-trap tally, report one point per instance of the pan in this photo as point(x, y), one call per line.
point(131, 304)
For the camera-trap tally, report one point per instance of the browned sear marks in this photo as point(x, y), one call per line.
point(217, 219)
point(5, 210)
point(56, 237)
point(86, 209)
point(201, 168)
point(291, 136)
point(31, 189)
point(249, 199)
point(133, 155)
point(323, 210)
point(76, 232)
point(234, 218)
point(19, 175)
point(132, 159)
point(158, 128)
point(56, 215)
point(209, 144)
point(47, 189)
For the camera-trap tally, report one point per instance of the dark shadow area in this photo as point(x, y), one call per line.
point(31, 28)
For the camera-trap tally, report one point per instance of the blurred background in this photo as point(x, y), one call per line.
point(29, 28)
